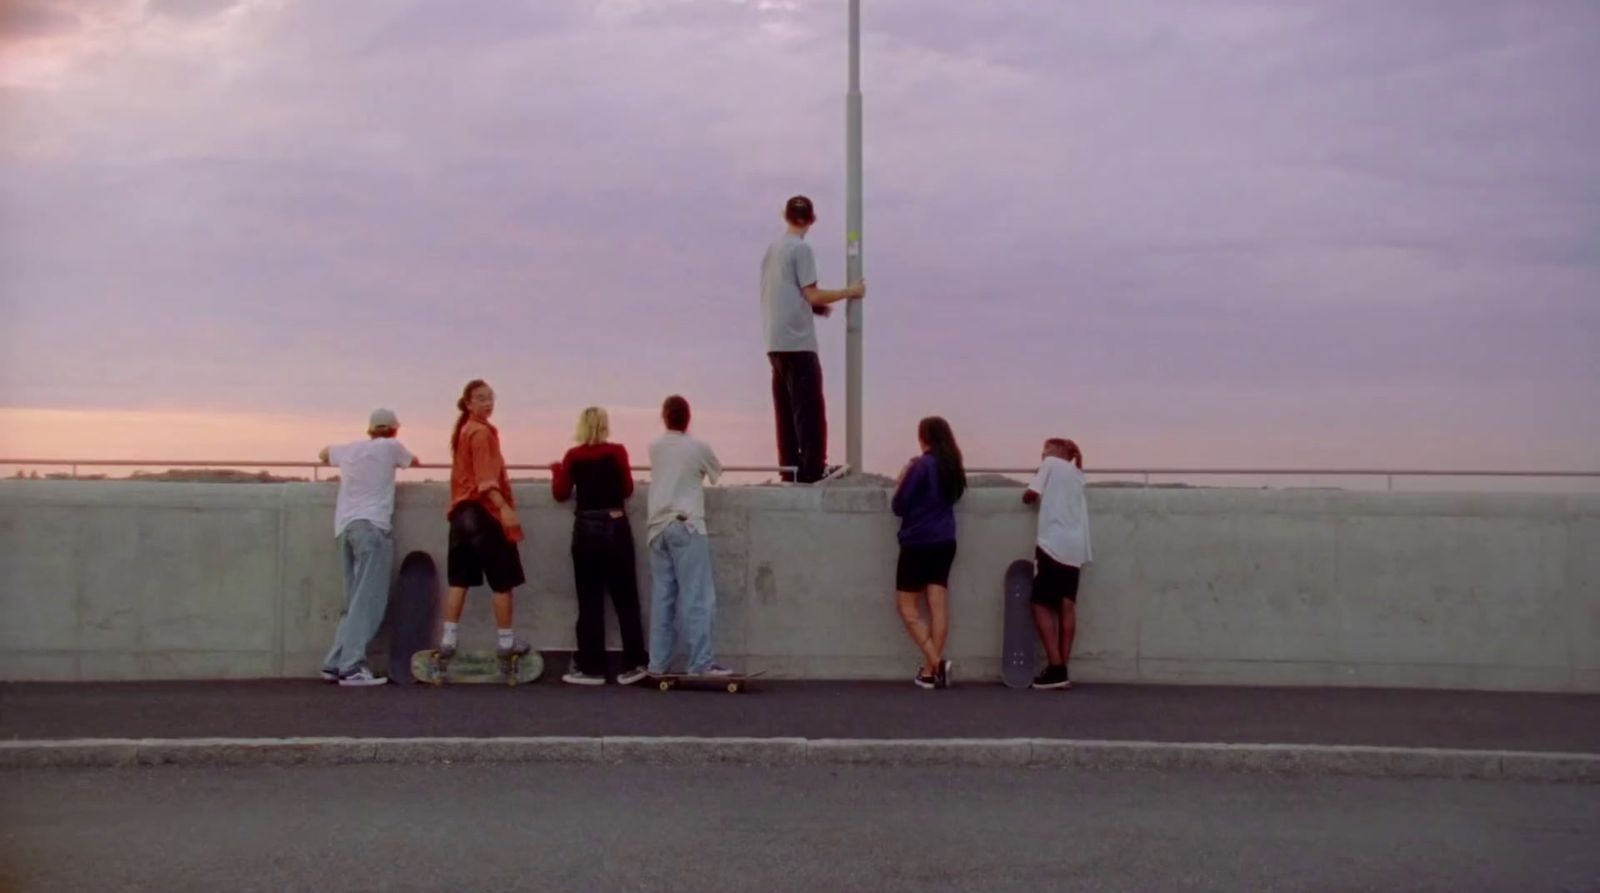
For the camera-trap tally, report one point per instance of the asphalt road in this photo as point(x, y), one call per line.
point(289, 708)
point(563, 827)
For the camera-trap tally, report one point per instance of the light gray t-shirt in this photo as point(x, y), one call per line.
point(785, 313)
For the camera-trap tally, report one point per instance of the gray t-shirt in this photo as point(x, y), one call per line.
point(785, 313)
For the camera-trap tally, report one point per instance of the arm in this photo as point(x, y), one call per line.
point(403, 457)
point(910, 478)
point(805, 274)
point(711, 466)
point(1036, 486)
point(626, 468)
point(561, 479)
point(822, 297)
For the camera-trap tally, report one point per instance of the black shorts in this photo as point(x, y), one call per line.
point(922, 566)
point(1053, 582)
point(479, 549)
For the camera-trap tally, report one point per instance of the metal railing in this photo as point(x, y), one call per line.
point(316, 467)
point(1388, 474)
point(1144, 474)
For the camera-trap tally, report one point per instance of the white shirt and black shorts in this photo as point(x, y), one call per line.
point(1062, 547)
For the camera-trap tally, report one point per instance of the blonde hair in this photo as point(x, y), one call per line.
point(594, 426)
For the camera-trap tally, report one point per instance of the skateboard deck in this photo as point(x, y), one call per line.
point(411, 613)
point(733, 684)
point(476, 667)
point(1020, 651)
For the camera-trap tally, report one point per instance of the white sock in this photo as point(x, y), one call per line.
point(449, 633)
point(506, 637)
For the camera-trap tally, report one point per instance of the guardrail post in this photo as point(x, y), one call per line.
point(1390, 479)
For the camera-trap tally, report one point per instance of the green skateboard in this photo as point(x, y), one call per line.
point(476, 667)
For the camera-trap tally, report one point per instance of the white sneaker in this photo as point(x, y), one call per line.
point(629, 677)
point(361, 677)
point(715, 670)
point(329, 675)
point(573, 677)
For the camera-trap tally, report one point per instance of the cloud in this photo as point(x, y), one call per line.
point(1158, 204)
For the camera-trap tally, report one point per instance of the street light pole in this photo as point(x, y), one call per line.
point(852, 245)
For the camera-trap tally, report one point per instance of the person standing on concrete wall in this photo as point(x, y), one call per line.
point(681, 587)
point(924, 499)
point(363, 522)
point(790, 301)
point(602, 550)
point(484, 528)
point(1061, 550)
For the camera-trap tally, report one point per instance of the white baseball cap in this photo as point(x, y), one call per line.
point(383, 418)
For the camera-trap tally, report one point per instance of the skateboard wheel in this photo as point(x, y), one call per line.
point(664, 685)
point(733, 688)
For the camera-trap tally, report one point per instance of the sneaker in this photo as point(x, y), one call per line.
point(629, 677)
point(715, 670)
point(446, 650)
point(929, 681)
point(518, 648)
point(574, 677)
point(329, 675)
point(943, 675)
point(1052, 677)
point(361, 676)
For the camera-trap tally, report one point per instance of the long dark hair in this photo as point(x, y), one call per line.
point(941, 441)
point(466, 395)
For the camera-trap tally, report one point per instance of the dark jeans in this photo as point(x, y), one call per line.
point(602, 559)
point(802, 417)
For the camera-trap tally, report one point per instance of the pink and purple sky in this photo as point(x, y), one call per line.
point(1183, 232)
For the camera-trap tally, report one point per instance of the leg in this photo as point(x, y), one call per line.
point(1069, 630)
point(938, 618)
point(811, 417)
point(589, 573)
point(692, 558)
point(663, 605)
point(503, 609)
point(783, 411)
point(1044, 619)
point(917, 630)
point(455, 600)
point(333, 661)
point(374, 554)
point(623, 581)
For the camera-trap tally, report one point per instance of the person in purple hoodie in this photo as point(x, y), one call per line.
point(924, 499)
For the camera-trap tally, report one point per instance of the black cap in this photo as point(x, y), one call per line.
point(799, 210)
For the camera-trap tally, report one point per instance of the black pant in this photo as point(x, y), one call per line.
point(602, 559)
point(802, 417)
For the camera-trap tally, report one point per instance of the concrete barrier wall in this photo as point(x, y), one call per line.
point(123, 580)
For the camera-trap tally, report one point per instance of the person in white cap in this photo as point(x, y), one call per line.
point(363, 521)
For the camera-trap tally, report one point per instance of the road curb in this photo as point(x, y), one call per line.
point(1038, 753)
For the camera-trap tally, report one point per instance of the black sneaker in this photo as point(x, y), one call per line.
point(1052, 677)
point(929, 681)
point(943, 675)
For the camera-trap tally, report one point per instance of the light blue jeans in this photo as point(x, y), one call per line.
point(368, 553)
point(681, 588)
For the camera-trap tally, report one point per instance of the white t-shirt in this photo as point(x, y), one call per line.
point(366, 481)
point(1063, 512)
point(677, 463)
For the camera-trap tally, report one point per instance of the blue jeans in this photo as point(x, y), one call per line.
point(368, 553)
point(681, 586)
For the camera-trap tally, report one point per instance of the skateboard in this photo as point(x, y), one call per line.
point(411, 612)
point(476, 667)
point(734, 684)
point(1020, 653)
